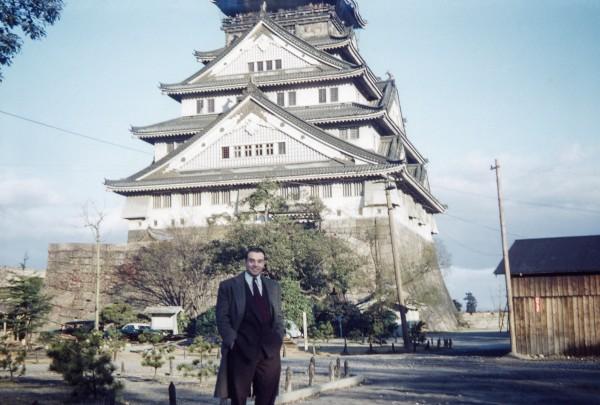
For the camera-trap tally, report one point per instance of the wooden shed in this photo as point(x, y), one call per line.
point(556, 295)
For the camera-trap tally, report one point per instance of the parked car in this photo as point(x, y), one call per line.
point(134, 330)
point(77, 326)
point(291, 329)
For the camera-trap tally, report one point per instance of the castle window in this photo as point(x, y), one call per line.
point(220, 198)
point(278, 64)
point(211, 105)
point(166, 201)
point(260, 66)
point(199, 105)
point(281, 148)
point(156, 201)
point(181, 221)
point(225, 152)
point(354, 133)
point(322, 95)
point(237, 151)
point(247, 150)
point(196, 199)
point(327, 191)
point(344, 133)
point(292, 98)
point(314, 191)
point(269, 65)
point(334, 94)
point(352, 189)
point(172, 222)
point(258, 150)
point(185, 200)
point(269, 148)
point(170, 147)
point(290, 193)
point(281, 99)
point(250, 66)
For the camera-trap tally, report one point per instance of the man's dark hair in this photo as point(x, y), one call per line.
point(255, 249)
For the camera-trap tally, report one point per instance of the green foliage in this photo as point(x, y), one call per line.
point(84, 365)
point(205, 324)
point(198, 368)
point(114, 342)
point(265, 200)
point(156, 357)
point(471, 303)
point(12, 357)
point(183, 321)
point(295, 301)
point(152, 337)
point(118, 314)
point(416, 332)
point(25, 17)
point(27, 304)
point(380, 321)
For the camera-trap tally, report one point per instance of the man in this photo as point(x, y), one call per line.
point(250, 323)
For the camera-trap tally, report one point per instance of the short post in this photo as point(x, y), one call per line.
point(346, 369)
point(314, 350)
point(122, 367)
point(439, 343)
point(331, 371)
point(184, 353)
point(371, 347)
point(284, 353)
point(172, 394)
point(305, 330)
point(450, 343)
point(311, 371)
point(427, 346)
point(288, 379)
point(338, 368)
point(393, 348)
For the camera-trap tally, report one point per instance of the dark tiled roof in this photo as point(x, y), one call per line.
point(574, 254)
point(320, 43)
point(236, 176)
point(196, 123)
point(303, 45)
point(275, 78)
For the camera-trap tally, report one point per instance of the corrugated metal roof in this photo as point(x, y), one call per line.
point(572, 254)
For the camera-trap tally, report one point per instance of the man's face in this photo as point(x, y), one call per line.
point(255, 263)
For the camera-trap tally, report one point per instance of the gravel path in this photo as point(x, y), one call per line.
point(475, 371)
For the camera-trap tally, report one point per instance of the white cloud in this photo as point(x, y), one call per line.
point(26, 192)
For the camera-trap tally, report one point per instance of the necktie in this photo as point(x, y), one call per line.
point(255, 289)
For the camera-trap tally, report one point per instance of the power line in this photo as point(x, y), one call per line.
point(491, 228)
point(91, 138)
point(530, 203)
point(459, 243)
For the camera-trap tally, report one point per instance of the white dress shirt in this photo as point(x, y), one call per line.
point(250, 279)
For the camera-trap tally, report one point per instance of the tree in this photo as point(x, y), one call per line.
point(265, 199)
point(457, 305)
point(118, 314)
point(471, 303)
point(115, 342)
point(197, 367)
point(27, 304)
point(30, 17)
point(175, 272)
point(84, 365)
point(12, 357)
point(155, 357)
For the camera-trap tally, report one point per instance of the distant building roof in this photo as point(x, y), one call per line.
point(160, 310)
point(574, 254)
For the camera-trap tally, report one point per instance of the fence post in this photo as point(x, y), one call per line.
point(331, 371)
point(338, 368)
point(122, 367)
point(284, 353)
point(346, 369)
point(172, 394)
point(311, 371)
point(288, 379)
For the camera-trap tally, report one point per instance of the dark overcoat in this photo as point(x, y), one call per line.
point(231, 307)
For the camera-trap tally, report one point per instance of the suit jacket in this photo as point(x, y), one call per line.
point(230, 311)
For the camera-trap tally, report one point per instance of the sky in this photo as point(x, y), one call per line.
point(478, 80)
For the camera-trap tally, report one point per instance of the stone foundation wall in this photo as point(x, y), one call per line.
point(71, 273)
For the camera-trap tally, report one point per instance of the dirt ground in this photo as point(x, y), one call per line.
point(475, 371)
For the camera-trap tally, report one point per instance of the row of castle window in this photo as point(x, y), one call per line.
point(201, 103)
point(261, 149)
point(265, 65)
point(334, 95)
point(194, 199)
point(349, 133)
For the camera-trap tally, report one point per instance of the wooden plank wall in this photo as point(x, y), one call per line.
point(557, 315)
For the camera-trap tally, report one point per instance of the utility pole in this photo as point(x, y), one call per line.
point(396, 259)
point(511, 319)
